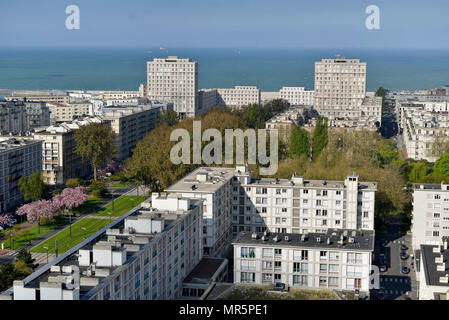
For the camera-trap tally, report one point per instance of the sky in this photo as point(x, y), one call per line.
point(420, 24)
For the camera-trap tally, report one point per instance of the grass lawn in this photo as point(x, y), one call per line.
point(91, 225)
point(32, 232)
point(120, 184)
point(241, 292)
point(121, 206)
point(91, 202)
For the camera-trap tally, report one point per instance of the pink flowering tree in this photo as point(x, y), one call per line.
point(35, 210)
point(71, 198)
point(4, 220)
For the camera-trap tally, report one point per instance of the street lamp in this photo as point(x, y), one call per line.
point(46, 248)
point(84, 228)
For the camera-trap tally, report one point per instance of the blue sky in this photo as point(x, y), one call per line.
point(227, 23)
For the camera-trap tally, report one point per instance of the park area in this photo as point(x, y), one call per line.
point(88, 226)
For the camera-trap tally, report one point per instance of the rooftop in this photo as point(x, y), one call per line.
point(435, 260)
point(343, 239)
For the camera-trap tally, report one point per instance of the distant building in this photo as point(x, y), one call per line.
point(174, 80)
point(266, 96)
point(297, 95)
point(340, 86)
point(60, 161)
point(13, 117)
point(284, 122)
point(66, 112)
point(131, 124)
point(38, 114)
point(17, 158)
point(143, 255)
point(334, 260)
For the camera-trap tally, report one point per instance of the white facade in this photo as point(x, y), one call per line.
point(174, 80)
point(430, 215)
point(316, 261)
point(297, 95)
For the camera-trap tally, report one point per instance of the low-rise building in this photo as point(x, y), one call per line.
point(63, 112)
point(17, 158)
point(60, 161)
point(236, 97)
point(143, 255)
point(336, 259)
point(297, 95)
point(433, 277)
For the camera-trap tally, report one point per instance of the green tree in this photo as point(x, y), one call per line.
point(24, 256)
point(7, 276)
point(381, 92)
point(418, 172)
point(74, 182)
point(299, 142)
point(169, 117)
point(32, 188)
point(320, 137)
point(442, 165)
point(97, 189)
point(95, 142)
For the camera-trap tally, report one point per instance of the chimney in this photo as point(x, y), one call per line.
point(445, 243)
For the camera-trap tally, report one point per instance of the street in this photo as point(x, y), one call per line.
point(394, 285)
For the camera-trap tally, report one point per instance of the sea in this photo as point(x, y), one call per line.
point(109, 68)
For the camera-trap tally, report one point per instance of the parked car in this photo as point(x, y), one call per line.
point(405, 270)
point(404, 255)
point(404, 247)
point(382, 268)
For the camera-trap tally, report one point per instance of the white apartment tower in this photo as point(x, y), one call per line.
point(174, 80)
point(340, 85)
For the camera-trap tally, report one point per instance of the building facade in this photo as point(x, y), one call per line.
point(174, 80)
point(338, 259)
point(38, 114)
point(13, 117)
point(297, 95)
point(131, 124)
point(430, 215)
point(17, 158)
point(340, 86)
point(60, 161)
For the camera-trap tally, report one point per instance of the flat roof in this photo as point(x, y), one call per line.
point(217, 177)
point(362, 239)
point(431, 273)
point(204, 270)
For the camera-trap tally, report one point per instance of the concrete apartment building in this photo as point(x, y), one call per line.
point(420, 123)
point(143, 255)
point(236, 97)
point(59, 158)
point(66, 112)
point(61, 98)
point(340, 86)
point(430, 215)
point(336, 259)
point(234, 198)
point(433, 278)
point(38, 114)
point(13, 117)
point(174, 80)
point(17, 158)
point(284, 122)
point(131, 124)
point(297, 96)
point(214, 186)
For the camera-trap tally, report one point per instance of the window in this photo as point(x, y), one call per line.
point(323, 267)
point(247, 277)
point(267, 252)
point(334, 268)
point(277, 265)
point(267, 277)
point(300, 280)
point(248, 252)
point(323, 254)
point(277, 252)
point(267, 265)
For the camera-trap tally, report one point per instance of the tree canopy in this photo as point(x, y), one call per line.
point(32, 188)
point(95, 142)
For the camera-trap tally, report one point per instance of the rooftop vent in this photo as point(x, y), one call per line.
point(266, 232)
point(286, 238)
point(276, 239)
point(328, 241)
point(351, 240)
point(318, 239)
point(194, 187)
point(264, 238)
point(303, 237)
point(254, 236)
